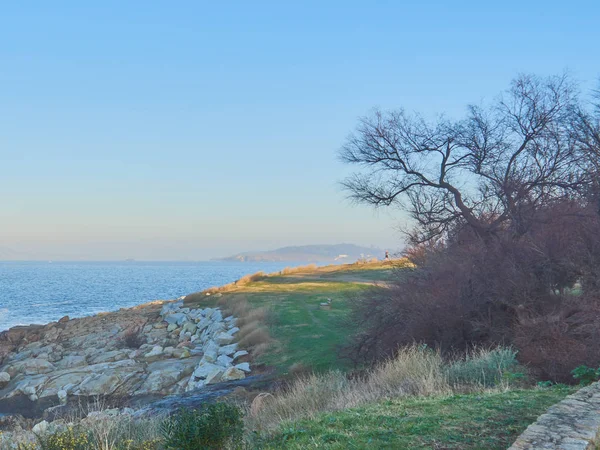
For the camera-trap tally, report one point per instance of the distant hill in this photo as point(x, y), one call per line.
point(310, 253)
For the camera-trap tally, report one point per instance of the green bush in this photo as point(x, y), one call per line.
point(586, 375)
point(215, 426)
point(485, 368)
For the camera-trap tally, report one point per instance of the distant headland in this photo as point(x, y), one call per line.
point(310, 253)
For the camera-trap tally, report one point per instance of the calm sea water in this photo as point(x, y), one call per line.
point(41, 292)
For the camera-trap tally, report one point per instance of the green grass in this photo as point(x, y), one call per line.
point(306, 334)
point(476, 421)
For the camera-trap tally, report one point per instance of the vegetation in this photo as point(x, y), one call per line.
point(482, 421)
point(586, 375)
point(506, 241)
point(281, 318)
point(215, 426)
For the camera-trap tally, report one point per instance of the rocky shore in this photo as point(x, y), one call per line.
point(147, 352)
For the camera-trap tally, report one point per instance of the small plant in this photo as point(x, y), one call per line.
point(216, 426)
point(69, 439)
point(545, 384)
point(586, 375)
point(486, 368)
point(132, 339)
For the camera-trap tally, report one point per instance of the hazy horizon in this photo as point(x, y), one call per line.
point(163, 133)
point(9, 255)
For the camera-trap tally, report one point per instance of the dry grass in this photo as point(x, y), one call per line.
point(292, 270)
point(254, 334)
point(415, 371)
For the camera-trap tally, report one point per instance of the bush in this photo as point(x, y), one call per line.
point(586, 375)
point(505, 290)
point(69, 439)
point(215, 426)
point(483, 367)
point(132, 339)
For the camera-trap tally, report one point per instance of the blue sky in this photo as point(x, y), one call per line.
point(185, 130)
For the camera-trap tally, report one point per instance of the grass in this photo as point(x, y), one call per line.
point(485, 421)
point(304, 334)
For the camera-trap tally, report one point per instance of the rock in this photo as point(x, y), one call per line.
point(172, 327)
point(185, 353)
point(114, 355)
point(228, 349)
point(41, 427)
point(205, 368)
point(100, 384)
point(190, 327)
point(214, 377)
point(239, 354)
point(172, 307)
point(64, 319)
point(224, 339)
point(224, 360)
point(4, 379)
point(62, 397)
point(71, 361)
point(35, 366)
point(177, 318)
point(160, 325)
point(243, 366)
point(233, 330)
point(211, 351)
point(233, 373)
point(154, 354)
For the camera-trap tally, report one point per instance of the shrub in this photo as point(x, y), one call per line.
point(483, 367)
point(586, 375)
point(215, 426)
point(69, 439)
point(132, 339)
point(472, 292)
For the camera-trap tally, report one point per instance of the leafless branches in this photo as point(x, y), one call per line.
point(493, 170)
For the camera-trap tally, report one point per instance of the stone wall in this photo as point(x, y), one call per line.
point(573, 424)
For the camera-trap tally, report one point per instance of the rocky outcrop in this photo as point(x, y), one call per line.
point(156, 349)
point(573, 424)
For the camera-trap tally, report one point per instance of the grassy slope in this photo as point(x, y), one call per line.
point(305, 333)
point(476, 421)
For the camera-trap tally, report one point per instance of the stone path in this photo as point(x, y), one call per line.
point(573, 424)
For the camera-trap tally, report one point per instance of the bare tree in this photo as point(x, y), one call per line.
point(491, 171)
point(587, 134)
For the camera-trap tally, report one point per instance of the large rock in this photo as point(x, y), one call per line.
point(224, 339)
point(243, 366)
point(32, 367)
point(224, 360)
point(228, 349)
point(176, 318)
point(233, 373)
point(205, 369)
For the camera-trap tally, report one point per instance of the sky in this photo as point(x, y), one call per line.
point(189, 130)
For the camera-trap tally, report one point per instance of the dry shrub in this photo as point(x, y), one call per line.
point(252, 335)
point(132, 339)
point(502, 290)
point(258, 276)
point(555, 343)
point(252, 322)
point(292, 270)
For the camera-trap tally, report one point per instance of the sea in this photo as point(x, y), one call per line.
point(42, 292)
